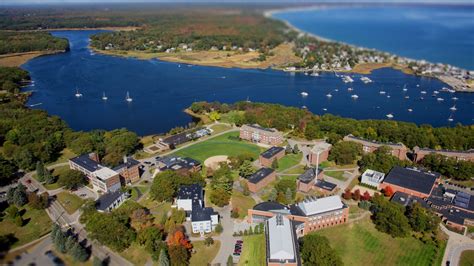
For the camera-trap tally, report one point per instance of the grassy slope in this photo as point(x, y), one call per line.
point(288, 161)
point(467, 258)
point(38, 224)
point(339, 175)
point(254, 249)
point(226, 144)
point(204, 255)
point(70, 202)
point(242, 202)
point(361, 244)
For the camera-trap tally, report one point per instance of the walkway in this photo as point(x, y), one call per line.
point(456, 245)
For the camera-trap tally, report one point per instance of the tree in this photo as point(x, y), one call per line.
point(98, 262)
point(230, 261)
point(219, 229)
point(389, 217)
point(275, 164)
point(273, 195)
point(288, 149)
point(179, 255)
point(219, 197)
point(366, 196)
point(345, 152)
point(347, 195)
point(72, 179)
point(152, 239)
point(421, 219)
point(69, 244)
point(163, 187)
point(282, 190)
point(288, 196)
point(209, 241)
point(234, 213)
point(163, 259)
point(388, 191)
point(78, 252)
point(296, 150)
point(7, 171)
point(245, 189)
point(356, 195)
point(17, 195)
point(246, 169)
point(40, 170)
point(214, 116)
point(315, 250)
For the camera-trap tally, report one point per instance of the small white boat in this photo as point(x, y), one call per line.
point(325, 109)
point(304, 94)
point(336, 90)
point(329, 95)
point(223, 77)
point(407, 97)
point(435, 92)
point(390, 116)
point(354, 96)
point(128, 98)
point(347, 79)
point(350, 89)
point(444, 89)
point(450, 119)
point(455, 98)
point(304, 107)
point(439, 99)
point(315, 74)
point(306, 73)
point(78, 94)
point(388, 96)
point(365, 80)
point(453, 108)
point(382, 92)
point(423, 92)
point(410, 110)
point(105, 98)
point(417, 85)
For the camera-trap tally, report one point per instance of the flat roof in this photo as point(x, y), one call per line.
point(350, 136)
point(256, 126)
point(271, 152)
point(374, 175)
point(280, 239)
point(86, 162)
point(412, 178)
point(309, 175)
point(405, 199)
point(104, 173)
point(199, 214)
point(320, 147)
point(260, 175)
point(193, 192)
point(325, 185)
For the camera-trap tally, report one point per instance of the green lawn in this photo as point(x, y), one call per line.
point(135, 189)
point(227, 144)
point(136, 254)
point(204, 255)
point(156, 208)
point(339, 175)
point(219, 128)
point(289, 177)
point(288, 161)
point(36, 224)
point(467, 258)
point(70, 202)
point(361, 244)
point(297, 170)
point(242, 202)
point(254, 249)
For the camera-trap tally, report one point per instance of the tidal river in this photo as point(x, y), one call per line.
point(161, 90)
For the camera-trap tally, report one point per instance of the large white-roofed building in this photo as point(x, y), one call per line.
point(281, 241)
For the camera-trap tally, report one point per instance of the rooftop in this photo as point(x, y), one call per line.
point(412, 178)
point(258, 127)
point(86, 162)
point(260, 175)
point(108, 199)
point(417, 149)
point(177, 139)
point(309, 175)
point(271, 152)
point(373, 175)
point(176, 163)
point(269, 206)
point(193, 192)
point(128, 162)
point(313, 205)
point(352, 137)
point(104, 173)
point(199, 214)
point(320, 147)
point(325, 185)
point(280, 239)
point(406, 200)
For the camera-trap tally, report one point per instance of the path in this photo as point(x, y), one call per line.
point(457, 243)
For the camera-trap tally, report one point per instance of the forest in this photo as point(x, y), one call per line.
point(20, 42)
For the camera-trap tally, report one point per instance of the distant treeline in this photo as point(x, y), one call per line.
point(19, 42)
point(311, 126)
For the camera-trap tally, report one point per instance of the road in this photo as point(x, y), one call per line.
point(456, 245)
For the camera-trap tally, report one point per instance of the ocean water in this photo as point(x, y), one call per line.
point(161, 90)
point(432, 32)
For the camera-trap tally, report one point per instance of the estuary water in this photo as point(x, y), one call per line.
point(437, 33)
point(161, 90)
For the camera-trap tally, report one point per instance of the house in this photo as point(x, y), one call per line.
point(180, 164)
point(309, 215)
point(282, 246)
point(274, 153)
point(412, 181)
point(260, 179)
point(129, 171)
point(372, 178)
point(307, 180)
point(258, 134)
point(319, 153)
point(110, 201)
point(397, 149)
point(420, 153)
point(191, 199)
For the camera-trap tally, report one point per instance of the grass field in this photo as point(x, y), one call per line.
point(204, 255)
point(288, 161)
point(219, 128)
point(134, 194)
point(254, 249)
point(242, 202)
point(289, 177)
point(299, 169)
point(361, 244)
point(467, 258)
point(70, 202)
point(339, 175)
point(37, 224)
point(227, 144)
point(157, 209)
point(136, 254)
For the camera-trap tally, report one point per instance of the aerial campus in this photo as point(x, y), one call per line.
point(278, 146)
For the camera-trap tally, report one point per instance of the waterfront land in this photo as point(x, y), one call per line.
point(18, 59)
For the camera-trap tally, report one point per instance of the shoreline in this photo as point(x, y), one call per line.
point(18, 59)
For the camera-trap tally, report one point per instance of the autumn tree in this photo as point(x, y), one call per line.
point(356, 195)
point(388, 191)
point(366, 196)
point(347, 195)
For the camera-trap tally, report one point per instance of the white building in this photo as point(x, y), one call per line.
point(106, 180)
point(111, 201)
point(372, 178)
point(281, 244)
point(203, 220)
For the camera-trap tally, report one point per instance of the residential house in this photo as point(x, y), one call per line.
point(372, 178)
point(397, 149)
point(261, 178)
point(412, 181)
point(258, 134)
point(274, 153)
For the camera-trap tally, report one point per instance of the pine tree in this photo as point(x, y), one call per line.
point(275, 164)
point(78, 252)
point(250, 231)
point(60, 243)
point(288, 149)
point(296, 150)
point(54, 232)
point(69, 244)
point(273, 195)
point(97, 262)
point(40, 171)
point(163, 260)
point(255, 230)
point(230, 261)
point(288, 196)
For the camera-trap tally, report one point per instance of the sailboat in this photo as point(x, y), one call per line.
point(405, 87)
point(390, 116)
point(329, 95)
point(248, 99)
point(78, 94)
point(453, 108)
point(304, 94)
point(128, 99)
point(354, 96)
point(105, 98)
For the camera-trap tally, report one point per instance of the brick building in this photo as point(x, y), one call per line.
point(411, 181)
point(258, 134)
point(319, 153)
point(129, 171)
point(420, 153)
point(274, 153)
point(398, 149)
point(307, 180)
point(260, 179)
